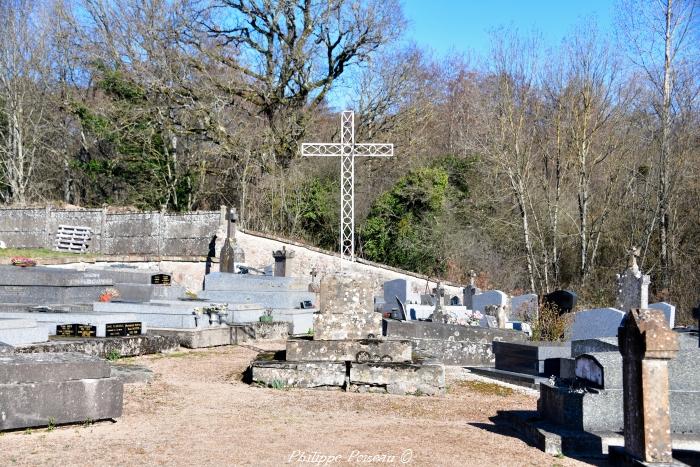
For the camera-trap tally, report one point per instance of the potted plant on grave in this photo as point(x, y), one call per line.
point(267, 316)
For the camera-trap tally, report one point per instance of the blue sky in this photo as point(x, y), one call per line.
point(464, 25)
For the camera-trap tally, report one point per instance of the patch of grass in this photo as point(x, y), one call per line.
point(277, 384)
point(490, 389)
point(39, 253)
point(28, 431)
point(52, 424)
point(113, 355)
point(88, 422)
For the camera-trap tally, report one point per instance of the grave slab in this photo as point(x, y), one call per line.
point(223, 281)
point(374, 350)
point(668, 310)
point(603, 344)
point(103, 347)
point(38, 368)
point(266, 298)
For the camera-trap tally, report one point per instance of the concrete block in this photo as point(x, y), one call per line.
point(46, 367)
point(334, 326)
point(198, 338)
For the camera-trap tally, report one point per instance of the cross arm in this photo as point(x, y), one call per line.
point(374, 149)
point(321, 149)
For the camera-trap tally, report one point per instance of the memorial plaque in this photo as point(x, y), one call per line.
point(76, 330)
point(160, 279)
point(122, 329)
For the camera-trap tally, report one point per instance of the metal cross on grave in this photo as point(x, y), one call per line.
point(347, 150)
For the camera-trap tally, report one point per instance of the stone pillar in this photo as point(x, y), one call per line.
point(632, 285)
point(283, 262)
point(470, 290)
point(647, 344)
point(347, 310)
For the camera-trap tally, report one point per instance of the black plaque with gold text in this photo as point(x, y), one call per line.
point(122, 329)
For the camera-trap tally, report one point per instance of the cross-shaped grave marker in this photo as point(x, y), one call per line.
point(347, 150)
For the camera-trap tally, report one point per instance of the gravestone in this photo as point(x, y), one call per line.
point(226, 256)
point(346, 310)
point(398, 288)
point(668, 310)
point(499, 313)
point(632, 285)
point(470, 291)
point(599, 322)
point(524, 308)
point(564, 301)
point(490, 297)
point(439, 315)
point(283, 262)
point(647, 345)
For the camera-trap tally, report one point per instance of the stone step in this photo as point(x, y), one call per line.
point(374, 350)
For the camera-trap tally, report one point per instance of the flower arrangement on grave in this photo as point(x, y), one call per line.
point(471, 318)
point(191, 294)
point(267, 316)
point(23, 262)
point(214, 308)
point(109, 294)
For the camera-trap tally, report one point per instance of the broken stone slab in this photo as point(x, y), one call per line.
point(366, 350)
point(274, 373)
point(397, 378)
point(47, 367)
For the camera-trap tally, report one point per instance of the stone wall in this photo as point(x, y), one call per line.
point(130, 233)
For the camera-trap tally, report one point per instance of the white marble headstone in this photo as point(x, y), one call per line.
point(524, 307)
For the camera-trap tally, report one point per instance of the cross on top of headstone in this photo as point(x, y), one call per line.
point(347, 150)
point(472, 277)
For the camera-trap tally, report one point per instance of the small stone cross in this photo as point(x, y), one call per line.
point(472, 278)
point(634, 252)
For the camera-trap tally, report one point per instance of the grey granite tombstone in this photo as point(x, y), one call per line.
point(668, 310)
point(564, 301)
point(490, 297)
point(226, 256)
point(524, 308)
point(470, 291)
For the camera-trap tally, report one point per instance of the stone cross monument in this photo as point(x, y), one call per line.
point(231, 253)
point(347, 150)
point(470, 290)
point(647, 344)
point(632, 285)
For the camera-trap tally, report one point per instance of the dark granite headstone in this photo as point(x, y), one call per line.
point(528, 357)
point(563, 300)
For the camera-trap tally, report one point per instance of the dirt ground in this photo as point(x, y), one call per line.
point(197, 412)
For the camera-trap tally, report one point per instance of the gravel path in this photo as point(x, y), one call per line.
point(197, 412)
